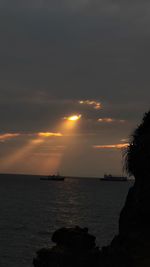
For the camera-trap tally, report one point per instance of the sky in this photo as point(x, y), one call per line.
point(64, 58)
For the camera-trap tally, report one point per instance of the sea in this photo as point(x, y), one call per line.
point(32, 209)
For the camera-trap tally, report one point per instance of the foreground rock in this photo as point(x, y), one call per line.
point(76, 248)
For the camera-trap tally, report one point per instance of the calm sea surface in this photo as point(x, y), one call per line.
point(31, 210)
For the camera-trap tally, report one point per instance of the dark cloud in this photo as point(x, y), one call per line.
point(57, 52)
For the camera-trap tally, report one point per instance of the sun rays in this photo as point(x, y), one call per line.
point(41, 152)
point(50, 160)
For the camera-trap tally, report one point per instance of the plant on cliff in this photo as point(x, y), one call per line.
point(137, 156)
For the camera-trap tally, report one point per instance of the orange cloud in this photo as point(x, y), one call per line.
point(49, 134)
point(93, 103)
point(114, 146)
point(7, 136)
point(109, 120)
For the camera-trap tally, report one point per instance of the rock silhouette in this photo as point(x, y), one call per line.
point(74, 247)
point(133, 241)
point(131, 247)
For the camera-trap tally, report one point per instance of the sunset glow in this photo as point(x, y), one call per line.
point(49, 134)
point(115, 146)
point(74, 118)
point(69, 124)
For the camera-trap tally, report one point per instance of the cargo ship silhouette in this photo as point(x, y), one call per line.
point(54, 177)
point(112, 178)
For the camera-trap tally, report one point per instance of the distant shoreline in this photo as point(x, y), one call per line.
point(41, 175)
point(38, 176)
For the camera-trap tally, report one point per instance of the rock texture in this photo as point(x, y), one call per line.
point(131, 247)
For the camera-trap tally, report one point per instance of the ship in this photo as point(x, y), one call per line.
point(54, 177)
point(111, 178)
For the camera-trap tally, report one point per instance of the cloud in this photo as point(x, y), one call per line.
point(49, 134)
point(7, 136)
point(74, 4)
point(110, 120)
point(94, 48)
point(94, 104)
point(113, 146)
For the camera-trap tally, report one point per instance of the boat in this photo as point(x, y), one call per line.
point(54, 177)
point(109, 177)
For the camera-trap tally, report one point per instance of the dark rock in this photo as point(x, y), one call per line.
point(74, 247)
point(74, 238)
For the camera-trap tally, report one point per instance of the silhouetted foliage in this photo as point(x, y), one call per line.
point(137, 158)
